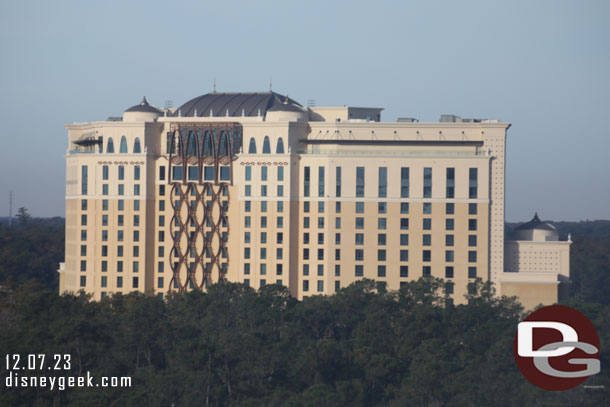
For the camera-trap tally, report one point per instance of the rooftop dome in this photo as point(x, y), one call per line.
point(144, 107)
point(223, 104)
point(536, 230)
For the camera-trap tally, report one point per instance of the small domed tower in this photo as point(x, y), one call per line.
point(142, 112)
point(536, 264)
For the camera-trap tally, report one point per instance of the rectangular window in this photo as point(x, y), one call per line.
point(337, 238)
point(263, 221)
point(450, 188)
point(404, 271)
point(359, 182)
point(472, 256)
point(280, 190)
point(105, 173)
point(320, 270)
point(104, 235)
point(404, 239)
point(404, 223)
point(472, 272)
point(279, 269)
point(136, 172)
point(280, 238)
point(449, 256)
point(177, 173)
point(404, 208)
point(449, 272)
point(225, 173)
point(84, 180)
point(83, 220)
point(306, 222)
point(305, 254)
point(119, 235)
point(321, 223)
point(263, 254)
point(104, 204)
point(383, 182)
point(136, 266)
point(427, 223)
point(380, 271)
point(381, 255)
point(427, 208)
point(404, 255)
point(306, 181)
point(320, 238)
point(305, 238)
point(83, 281)
point(337, 285)
point(320, 254)
point(381, 239)
point(193, 173)
point(426, 270)
point(359, 207)
point(472, 240)
point(338, 184)
point(305, 285)
point(404, 182)
point(263, 271)
point(473, 183)
point(159, 282)
point(121, 189)
point(104, 281)
point(337, 270)
point(449, 224)
point(472, 224)
point(337, 223)
point(105, 189)
point(263, 190)
point(246, 268)
point(119, 266)
point(321, 207)
point(280, 222)
point(264, 173)
point(160, 267)
point(320, 181)
point(381, 223)
point(449, 240)
point(121, 204)
point(83, 235)
point(359, 255)
point(472, 208)
point(279, 253)
point(305, 269)
point(161, 190)
point(427, 182)
point(426, 255)
point(248, 190)
point(359, 223)
point(208, 173)
point(320, 286)
point(359, 271)
point(382, 207)
point(337, 254)
point(162, 173)
point(359, 239)
point(450, 209)
point(427, 240)
point(121, 172)
point(246, 252)
point(119, 282)
point(104, 266)
point(280, 173)
point(83, 265)
point(248, 173)
point(280, 206)
point(247, 221)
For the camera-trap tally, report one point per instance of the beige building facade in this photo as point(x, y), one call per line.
point(255, 188)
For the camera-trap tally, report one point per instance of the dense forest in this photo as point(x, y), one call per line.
point(234, 346)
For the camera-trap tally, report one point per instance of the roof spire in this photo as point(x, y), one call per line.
point(214, 85)
point(144, 102)
point(270, 84)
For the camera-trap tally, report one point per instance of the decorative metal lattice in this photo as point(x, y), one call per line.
point(201, 159)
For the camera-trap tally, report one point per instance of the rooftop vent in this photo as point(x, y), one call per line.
point(450, 118)
point(407, 120)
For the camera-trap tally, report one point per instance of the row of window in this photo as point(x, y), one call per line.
point(137, 149)
point(135, 281)
point(264, 173)
point(382, 207)
point(279, 148)
point(120, 266)
point(382, 184)
point(279, 269)
point(382, 255)
point(121, 189)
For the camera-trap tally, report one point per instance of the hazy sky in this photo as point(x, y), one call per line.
point(544, 66)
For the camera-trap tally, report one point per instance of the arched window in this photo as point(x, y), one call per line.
point(191, 148)
point(208, 146)
point(136, 146)
point(123, 147)
point(224, 144)
point(280, 146)
point(252, 148)
point(266, 146)
point(110, 146)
